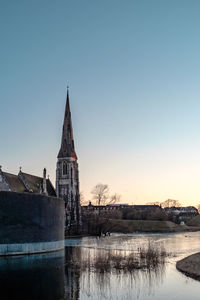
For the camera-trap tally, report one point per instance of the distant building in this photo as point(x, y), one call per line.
point(67, 174)
point(119, 206)
point(28, 183)
point(178, 214)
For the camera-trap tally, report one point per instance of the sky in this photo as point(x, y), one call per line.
point(133, 70)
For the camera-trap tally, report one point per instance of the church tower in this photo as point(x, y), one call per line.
point(67, 175)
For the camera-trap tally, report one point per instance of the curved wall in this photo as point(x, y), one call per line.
point(30, 223)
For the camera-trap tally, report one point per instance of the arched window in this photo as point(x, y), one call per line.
point(64, 168)
point(71, 177)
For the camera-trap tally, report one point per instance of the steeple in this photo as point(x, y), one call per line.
point(67, 175)
point(67, 143)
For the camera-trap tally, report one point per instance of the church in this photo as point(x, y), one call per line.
point(67, 177)
point(67, 174)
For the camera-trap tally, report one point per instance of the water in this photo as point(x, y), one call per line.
point(163, 283)
point(47, 276)
point(32, 277)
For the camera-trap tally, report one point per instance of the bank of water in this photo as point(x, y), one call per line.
point(49, 276)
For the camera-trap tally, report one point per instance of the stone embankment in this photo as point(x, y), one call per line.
point(190, 266)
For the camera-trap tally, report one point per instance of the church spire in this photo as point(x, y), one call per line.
point(67, 108)
point(67, 143)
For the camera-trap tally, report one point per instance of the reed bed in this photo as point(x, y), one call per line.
point(104, 261)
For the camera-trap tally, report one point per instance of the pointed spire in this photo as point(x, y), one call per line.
point(67, 143)
point(67, 109)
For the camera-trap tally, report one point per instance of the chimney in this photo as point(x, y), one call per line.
point(44, 187)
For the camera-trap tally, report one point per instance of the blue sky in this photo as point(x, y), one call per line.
point(133, 69)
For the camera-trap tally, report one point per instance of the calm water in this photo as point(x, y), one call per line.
point(46, 276)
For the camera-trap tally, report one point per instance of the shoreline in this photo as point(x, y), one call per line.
point(127, 233)
point(190, 266)
point(130, 226)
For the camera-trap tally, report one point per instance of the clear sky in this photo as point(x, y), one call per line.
point(133, 68)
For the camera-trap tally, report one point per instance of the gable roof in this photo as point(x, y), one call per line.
point(35, 183)
point(14, 182)
point(24, 182)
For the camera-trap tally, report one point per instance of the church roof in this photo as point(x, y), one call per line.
point(35, 184)
point(67, 148)
point(14, 182)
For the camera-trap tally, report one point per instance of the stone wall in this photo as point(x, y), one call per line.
point(30, 223)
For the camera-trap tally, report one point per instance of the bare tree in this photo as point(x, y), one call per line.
point(198, 208)
point(114, 198)
point(101, 197)
point(100, 193)
point(166, 203)
point(170, 203)
point(83, 202)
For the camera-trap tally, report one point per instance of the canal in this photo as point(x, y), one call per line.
point(53, 276)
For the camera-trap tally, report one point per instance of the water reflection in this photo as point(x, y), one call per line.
point(120, 286)
point(84, 281)
point(53, 277)
point(72, 276)
point(163, 282)
point(33, 277)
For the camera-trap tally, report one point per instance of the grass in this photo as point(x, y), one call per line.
point(129, 226)
point(109, 260)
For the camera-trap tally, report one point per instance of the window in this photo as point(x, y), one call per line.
point(71, 177)
point(64, 168)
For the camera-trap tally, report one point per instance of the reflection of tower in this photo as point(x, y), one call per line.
point(67, 175)
point(72, 276)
